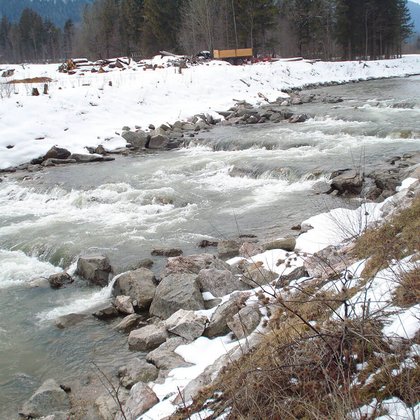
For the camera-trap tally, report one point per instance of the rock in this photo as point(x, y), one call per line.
point(60, 279)
point(147, 338)
point(145, 263)
point(186, 324)
point(176, 291)
point(249, 249)
point(245, 321)
point(165, 358)
point(329, 262)
point(81, 158)
point(296, 274)
point(47, 399)
point(124, 305)
point(69, 320)
point(219, 282)
point(193, 264)
point(137, 370)
point(138, 284)
point(205, 243)
point(94, 268)
point(256, 275)
point(108, 407)
point(137, 139)
point(158, 142)
point(224, 313)
point(166, 252)
point(298, 118)
point(348, 182)
point(53, 162)
point(106, 313)
point(228, 249)
point(57, 153)
point(288, 244)
point(141, 399)
point(129, 323)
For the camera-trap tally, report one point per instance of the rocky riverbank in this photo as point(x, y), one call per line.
point(203, 301)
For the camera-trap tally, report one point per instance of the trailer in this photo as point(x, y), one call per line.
point(235, 56)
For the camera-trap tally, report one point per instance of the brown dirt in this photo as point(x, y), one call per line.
point(30, 80)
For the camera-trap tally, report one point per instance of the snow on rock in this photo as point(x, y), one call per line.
point(88, 109)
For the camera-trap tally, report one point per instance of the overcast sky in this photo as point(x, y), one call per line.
point(416, 1)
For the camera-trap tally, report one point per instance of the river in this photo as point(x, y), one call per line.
point(230, 181)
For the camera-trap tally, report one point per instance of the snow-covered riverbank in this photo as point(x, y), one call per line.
point(90, 109)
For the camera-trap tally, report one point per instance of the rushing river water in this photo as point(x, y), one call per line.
point(233, 180)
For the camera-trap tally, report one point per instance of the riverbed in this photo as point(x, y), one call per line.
point(229, 181)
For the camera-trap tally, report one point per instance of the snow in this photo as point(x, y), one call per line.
point(88, 109)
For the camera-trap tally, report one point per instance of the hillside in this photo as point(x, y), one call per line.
point(58, 11)
point(415, 14)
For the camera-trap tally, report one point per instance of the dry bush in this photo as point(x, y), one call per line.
point(394, 240)
point(407, 293)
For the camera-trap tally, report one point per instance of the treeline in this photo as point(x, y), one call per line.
point(326, 29)
point(33, 38)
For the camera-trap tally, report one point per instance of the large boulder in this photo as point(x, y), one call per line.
point(147, 338)
point(224, 313)
point(107, 405)
point(94, 268)
point(219, 282)
point(124, 305)
point(287, 244)
point(193, 264)
point(348, 181)
point(47, 399)
point(139, 284)
point(165, 358)
point(137, 139)
point(177, 291)
point(186, 324)
point(137, 370)
point(57, 153)
point(129, 323)
point(228, 249)
point(59, 280)
point(158, 142)
point(141, 399)
point(256, 275)
point(245, 321)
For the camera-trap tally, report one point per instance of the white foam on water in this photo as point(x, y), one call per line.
point(17, 268)
point(84, 300)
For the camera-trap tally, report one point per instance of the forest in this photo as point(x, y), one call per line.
point(319, 29)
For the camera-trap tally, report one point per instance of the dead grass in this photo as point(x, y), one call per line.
point(395, 239)
point(407, 292)
point(30, 80)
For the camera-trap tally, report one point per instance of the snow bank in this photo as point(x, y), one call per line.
point(91, 108)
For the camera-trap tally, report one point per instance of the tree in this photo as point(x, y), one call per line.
point(68, 37)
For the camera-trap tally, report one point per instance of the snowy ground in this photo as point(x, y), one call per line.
point(90, 109)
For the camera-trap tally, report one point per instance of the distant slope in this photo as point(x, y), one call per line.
point(58, 11)
point(415, 14)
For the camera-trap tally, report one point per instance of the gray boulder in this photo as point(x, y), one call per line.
point(219, 282)
point(124, 305)
point(137, 139)
point(165, 358)
point(158, 142)
point(108, 407)
point(82, 158)
point(129, 323)
point(224, 313)
point(147, 338)
point(137, 370)
point(59, 280)
point(193, 264)
point(47, 399)
point(94, 268)
point(186, 324)
point(245, 321)
point(288, 244)
point(57, 153)
point(228, 249)
point(176, 291)
point(141, 399)
point(138, 284)
point(348, 182)
point(255, 275)
point(107, 312)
